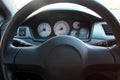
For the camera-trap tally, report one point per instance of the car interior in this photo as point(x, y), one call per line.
point(59, 40)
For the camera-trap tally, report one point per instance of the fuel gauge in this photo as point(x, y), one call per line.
point(74, 33)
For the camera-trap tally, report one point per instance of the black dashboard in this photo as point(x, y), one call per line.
point(45, 25)
point(48, 24)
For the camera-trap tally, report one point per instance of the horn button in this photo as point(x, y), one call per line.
point(64, 59)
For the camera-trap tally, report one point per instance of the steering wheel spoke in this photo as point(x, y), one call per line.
point(10, 54)
point(98, 57)
point(29, 56)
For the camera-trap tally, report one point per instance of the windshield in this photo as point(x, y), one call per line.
point(109, 3)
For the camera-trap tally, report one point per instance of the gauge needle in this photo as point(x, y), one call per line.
point(42, 30)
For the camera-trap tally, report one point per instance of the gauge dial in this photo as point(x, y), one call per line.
point(74, 33)
point(44, 30)
point(61, 28)
point(76, 25)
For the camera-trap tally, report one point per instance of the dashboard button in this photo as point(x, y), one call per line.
point(22, 32)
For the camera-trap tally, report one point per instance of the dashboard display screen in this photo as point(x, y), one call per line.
point(84, 33)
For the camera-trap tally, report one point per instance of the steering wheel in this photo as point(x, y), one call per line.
point(62, 57)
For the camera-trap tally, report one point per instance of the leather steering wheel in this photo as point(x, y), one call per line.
point(62, 57)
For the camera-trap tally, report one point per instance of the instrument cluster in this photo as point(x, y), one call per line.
point(61, 27)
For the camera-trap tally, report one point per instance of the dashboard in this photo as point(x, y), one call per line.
point(56, 23)
point(48, 24)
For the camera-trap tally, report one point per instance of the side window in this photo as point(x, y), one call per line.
point(2, 20)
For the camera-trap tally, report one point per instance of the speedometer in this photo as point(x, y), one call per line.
point(61, 28)
point(44, 30)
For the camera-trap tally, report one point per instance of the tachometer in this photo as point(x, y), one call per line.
point(61, 28)
point(44, 30)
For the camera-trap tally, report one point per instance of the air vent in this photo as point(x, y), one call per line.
point(107, 29)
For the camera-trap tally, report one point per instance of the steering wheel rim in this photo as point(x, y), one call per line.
point(21, 15)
